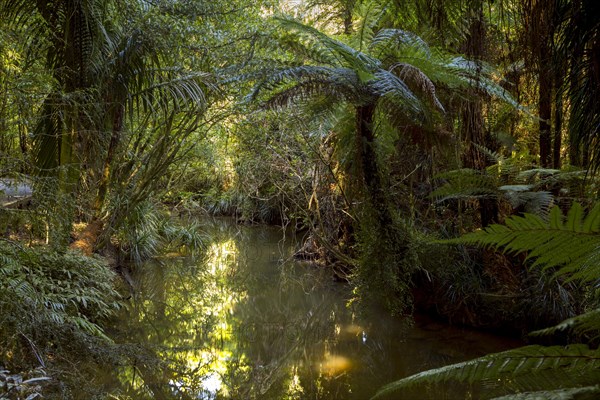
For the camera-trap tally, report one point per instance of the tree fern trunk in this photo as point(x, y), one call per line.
point(371, 173)
point(348, 8)
point(385, 260)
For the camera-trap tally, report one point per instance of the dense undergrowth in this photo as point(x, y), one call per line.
point(53, 307)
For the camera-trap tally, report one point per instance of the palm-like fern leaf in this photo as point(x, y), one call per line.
point(537, 173)
point(571, 245)
point(424, 85)
point(279, 80)
point(399, 37)
point(368, 16)
point(582, 393)
point(585, 324)
point(465, 183)
point(389, 86)
point(345, 55)
point(523, 197)
point(579, 366)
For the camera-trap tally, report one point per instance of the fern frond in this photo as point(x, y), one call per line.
point(572, 246)
point(521, 196)
point(284, 77)
point(413, 75)
point(582, 393)
point(575, 363)
point(571, 182)
point(387, 38)
point(493, 156)
point(335, 84)
point(368, 16)
point(391, 87)
point(531, 175)
point(585, 324)
point(465, 183)
point(346, 55)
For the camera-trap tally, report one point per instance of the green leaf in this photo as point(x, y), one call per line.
point(521, 365)
point(570, 249)
point(585, 324)
point(582, 393)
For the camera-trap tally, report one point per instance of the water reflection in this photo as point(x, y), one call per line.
point(246, 322)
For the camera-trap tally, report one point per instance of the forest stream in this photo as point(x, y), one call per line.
point(247, 321)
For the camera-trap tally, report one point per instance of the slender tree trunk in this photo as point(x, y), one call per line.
point(558, 119)
point(71, 40)
point(545, 115)
point(348, 8)
point(115, 139)
point(575, 154)
point(545, 83)
point(575, 59)
point(472, 112)
point(23, 139)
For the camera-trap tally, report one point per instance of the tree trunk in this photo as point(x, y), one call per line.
point(545, 83)
point(115, 138)
point(369, 165)
point(558, 119)
point(472, 112)
point(348, 8)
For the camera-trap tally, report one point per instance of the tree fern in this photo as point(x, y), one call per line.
point(582, 393)
point(570, 245)
point(586, 324)
point(578, 364)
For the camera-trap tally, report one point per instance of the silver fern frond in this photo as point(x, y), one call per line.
point(569, 245)
point(578, 365)
point(582, 393)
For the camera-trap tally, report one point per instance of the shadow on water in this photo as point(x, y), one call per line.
point(247, 322)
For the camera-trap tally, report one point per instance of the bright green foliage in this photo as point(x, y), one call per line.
point(42, 291)
point(122, 108)
point(568, 244)
point(394, 66)
point(149, 230)
point(578, 365)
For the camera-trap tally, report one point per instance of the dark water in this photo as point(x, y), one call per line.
point(247, 322)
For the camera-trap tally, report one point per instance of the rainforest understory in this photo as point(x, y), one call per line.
point(430, 157)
